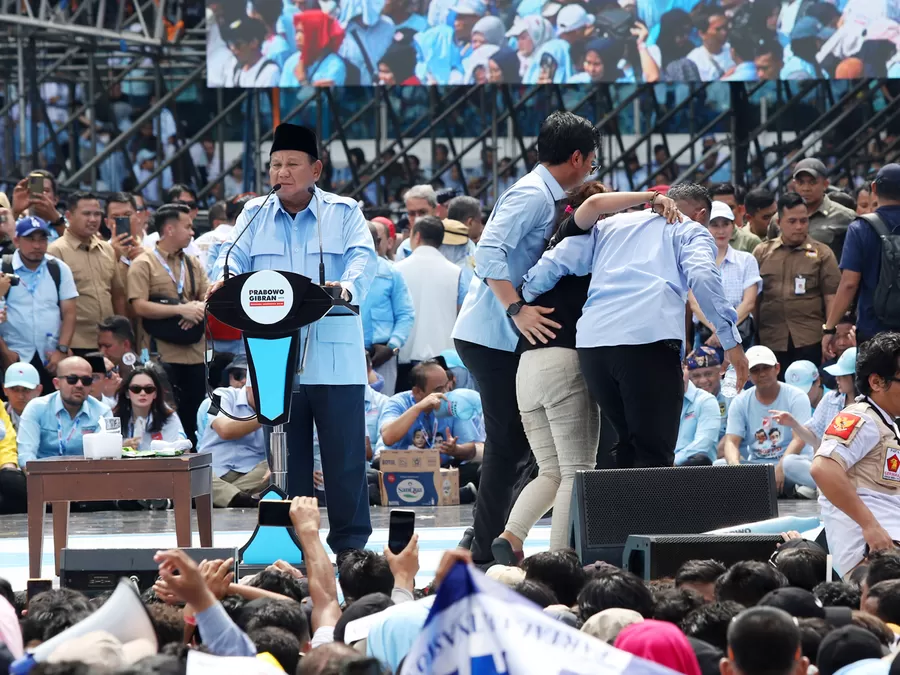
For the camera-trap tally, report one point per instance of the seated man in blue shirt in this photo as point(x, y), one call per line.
point(409, 420)
point(240, 466)
point(55, 425)
point(753, 430)
point(698, 432)
point(805, 376)
point(705, 372)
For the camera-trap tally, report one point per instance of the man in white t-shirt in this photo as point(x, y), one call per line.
point(753, 434)
point(857, 466)
point(713, 57)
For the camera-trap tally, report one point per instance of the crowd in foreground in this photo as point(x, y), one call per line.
point(781, 617)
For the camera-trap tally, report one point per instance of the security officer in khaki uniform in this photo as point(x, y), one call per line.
point(857, 466)
point(800, 278)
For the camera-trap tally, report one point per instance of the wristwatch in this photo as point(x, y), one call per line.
point(828, 331)
point(515, 308)
point(59, 222)
point(62, 348)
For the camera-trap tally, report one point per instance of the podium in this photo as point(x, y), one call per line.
point(270, 307)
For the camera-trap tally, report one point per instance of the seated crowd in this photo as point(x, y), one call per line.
point(781, 617)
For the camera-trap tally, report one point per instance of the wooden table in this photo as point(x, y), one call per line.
point(60, 480)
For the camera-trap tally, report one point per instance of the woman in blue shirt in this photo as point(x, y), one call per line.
point(143, 413)
point(316, 62)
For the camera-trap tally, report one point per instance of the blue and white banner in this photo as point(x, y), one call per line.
point(478, 626)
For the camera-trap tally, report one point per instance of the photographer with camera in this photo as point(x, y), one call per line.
point(40, 302)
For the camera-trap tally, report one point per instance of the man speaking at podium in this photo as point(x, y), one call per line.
point(330, 391)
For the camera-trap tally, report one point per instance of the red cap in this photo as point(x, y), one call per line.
point(388, 223)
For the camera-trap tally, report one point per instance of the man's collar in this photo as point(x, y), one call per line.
point(17, 263)
point(59, 407)
point(691, 392)
point(170, 256)
point(240, 398)
point(311, 206)
point(426, 250)
point(825, 207)
point(806, 244)
point(75, 242)
point(556, 190)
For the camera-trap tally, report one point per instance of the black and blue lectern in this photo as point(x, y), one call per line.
point(270, 307)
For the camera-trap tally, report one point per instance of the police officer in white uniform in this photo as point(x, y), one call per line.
point(857, 466)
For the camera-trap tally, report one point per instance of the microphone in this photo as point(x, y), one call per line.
point(312, 190)
point(275, 188)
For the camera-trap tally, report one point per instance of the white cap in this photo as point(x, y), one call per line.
point(518, 27)
point(22, 375)
point(761, 356)
point(573, 17)
point(721, 210)
point(551, 9)
point(471, 7)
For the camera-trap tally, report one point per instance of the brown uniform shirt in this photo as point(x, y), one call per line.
point(148, 277)
point(95, 270)
point(783, 311)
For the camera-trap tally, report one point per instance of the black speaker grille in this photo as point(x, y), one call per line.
point(668, 552)
point(620, 502)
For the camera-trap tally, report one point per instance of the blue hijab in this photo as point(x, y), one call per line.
point(391, 640)
point(368, 11)
point(439, 54)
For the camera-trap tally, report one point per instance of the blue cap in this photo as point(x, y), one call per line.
point(807, 27)
point(888, 175)
point(702, 357)
point(801, 374)
point(846, 364)
point(29, 224)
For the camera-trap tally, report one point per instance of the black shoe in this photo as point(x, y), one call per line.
point(129, 505)
point(467, 538)
point(468, 493)
point(243, 500)
point(504, 554)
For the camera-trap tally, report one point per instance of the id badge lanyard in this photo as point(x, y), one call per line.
point(179, 283)
point(64, 442)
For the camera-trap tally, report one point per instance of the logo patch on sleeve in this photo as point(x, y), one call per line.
point(891, 465)
point(843, 425)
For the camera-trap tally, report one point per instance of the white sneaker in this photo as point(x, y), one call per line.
point(806, 492)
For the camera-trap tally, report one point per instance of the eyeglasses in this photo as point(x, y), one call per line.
point(137, 389)
point(189, 204)
point(595, 166)
point(86, 380)
point(239, 374)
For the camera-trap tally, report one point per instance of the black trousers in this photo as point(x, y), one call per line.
point(339, 415)
point(639, 389)
point(13, 498)
point(809, 353)
point(45, 375)
point(189, 388)
point(507, 454)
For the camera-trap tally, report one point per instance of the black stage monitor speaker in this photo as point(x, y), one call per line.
point(656, 556)
point(611, 504)
point(96, 571)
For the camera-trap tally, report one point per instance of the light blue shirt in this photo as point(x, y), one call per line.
point(276, 49)
point(331, 67)
point(221, 635)
point(743, 72)
point(514, 237)
point(375, 40)
point(375, 403)
point(724, 404)
point(428, 426)
point(698, 432)
point(278, 242)
point(763, 440)
point(240, 454)
point(641, 267)
point(387, 312)
point(32, 308)
point(47, 430)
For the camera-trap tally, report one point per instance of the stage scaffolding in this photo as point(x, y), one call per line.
point(93, 48)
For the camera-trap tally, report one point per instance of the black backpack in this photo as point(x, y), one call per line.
point(887, 291)
point(52, 266)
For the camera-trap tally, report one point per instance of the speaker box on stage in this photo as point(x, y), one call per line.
point(609, 505)
point(655, 556)
point(96, 571)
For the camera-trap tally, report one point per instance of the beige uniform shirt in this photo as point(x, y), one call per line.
point(95, 270)
point(147, 277)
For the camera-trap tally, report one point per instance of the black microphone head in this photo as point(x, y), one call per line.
point(276, 187)
point(311, 189)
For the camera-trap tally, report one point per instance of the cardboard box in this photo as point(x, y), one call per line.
point(415, 478)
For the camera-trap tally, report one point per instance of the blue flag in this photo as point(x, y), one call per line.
point(478, 626)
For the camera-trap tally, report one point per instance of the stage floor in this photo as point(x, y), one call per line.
point(439, 528)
